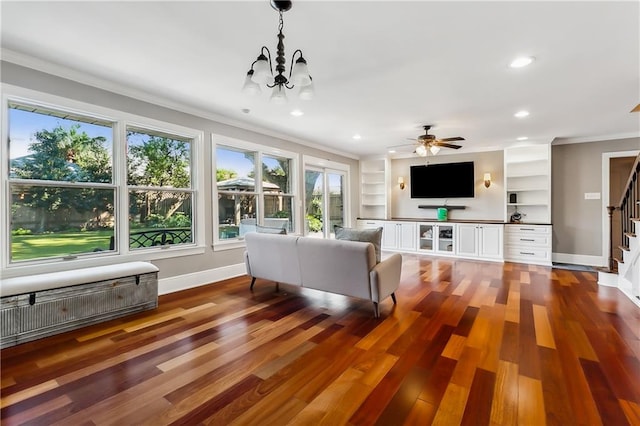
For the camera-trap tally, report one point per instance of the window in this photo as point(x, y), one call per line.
point(159, 187)
point(80, 186)
point(60, 184)
point(249, 195)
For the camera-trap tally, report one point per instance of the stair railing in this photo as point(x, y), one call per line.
point(629, 208)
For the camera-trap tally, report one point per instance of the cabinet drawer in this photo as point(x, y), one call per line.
point(528, 253)
point(528, 229)
point(522, 239)
point(369, 224)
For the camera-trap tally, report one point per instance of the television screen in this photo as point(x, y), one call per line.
point(450, 180)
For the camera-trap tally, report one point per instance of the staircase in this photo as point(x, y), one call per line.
point(624, 271)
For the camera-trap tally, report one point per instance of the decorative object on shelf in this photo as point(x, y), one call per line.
point(513, 198)
point(261, 71)
point(401, 182)
point(487, 180)
point(442, 213)
point(516, 217)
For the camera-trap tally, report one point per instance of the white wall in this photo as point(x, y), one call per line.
point(488, 203)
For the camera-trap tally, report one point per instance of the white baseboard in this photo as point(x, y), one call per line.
point(607, 279)
point(196, 279)
point(579, 259)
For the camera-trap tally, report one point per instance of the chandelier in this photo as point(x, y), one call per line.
point(261, 71)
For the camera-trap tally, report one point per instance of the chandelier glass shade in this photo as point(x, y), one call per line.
point(261, 72)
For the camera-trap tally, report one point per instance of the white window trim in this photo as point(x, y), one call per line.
point(121, 120)
point(261, 150)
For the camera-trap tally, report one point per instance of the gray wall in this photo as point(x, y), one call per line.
point(488, 203)
point(576, 169)
point(35, 80)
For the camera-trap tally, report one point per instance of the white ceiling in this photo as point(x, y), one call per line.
point(380, 69)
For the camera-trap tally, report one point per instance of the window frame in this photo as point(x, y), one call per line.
point(220, 141)
point(121, 121)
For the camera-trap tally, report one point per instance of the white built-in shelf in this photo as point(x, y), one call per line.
point(374, 176)
point(527, 173)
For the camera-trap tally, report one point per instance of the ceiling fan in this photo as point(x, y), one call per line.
point(433, 144)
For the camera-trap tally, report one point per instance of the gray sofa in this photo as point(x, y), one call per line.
point(335, 266)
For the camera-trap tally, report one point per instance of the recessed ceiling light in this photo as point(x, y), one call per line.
point(296, 113)
point(357, 137)
point(523, 138)
point(392, 151)
point(521, 114)
point(520, 62)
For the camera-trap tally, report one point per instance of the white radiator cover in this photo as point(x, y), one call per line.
point(30, 316)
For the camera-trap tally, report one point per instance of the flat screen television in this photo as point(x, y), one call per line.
point(449, 180)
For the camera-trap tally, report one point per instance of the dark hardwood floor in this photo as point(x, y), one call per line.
point(468, 343)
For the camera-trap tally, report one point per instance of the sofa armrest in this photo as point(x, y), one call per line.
point(385, 277)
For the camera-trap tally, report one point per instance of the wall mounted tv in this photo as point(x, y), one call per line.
point(450, 180)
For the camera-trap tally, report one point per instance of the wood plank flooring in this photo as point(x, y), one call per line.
point(468, 343)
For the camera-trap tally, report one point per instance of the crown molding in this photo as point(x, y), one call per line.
point(72, 74)
point(567, 141)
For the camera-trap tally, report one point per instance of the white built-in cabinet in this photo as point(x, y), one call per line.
point(399, 236)
point(527, 172)
point(436, 238)
point(468, 240)
point(374, 184)
point(480, 241)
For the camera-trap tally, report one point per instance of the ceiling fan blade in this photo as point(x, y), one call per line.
point(447, 145)
point(401, 145)
point(457, 138)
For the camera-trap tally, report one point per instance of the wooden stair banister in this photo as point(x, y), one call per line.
point(629, 207)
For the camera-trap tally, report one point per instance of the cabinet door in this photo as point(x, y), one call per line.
point(407, 235)
point(426, 236)
point(446, 237)
point(390, 235)
point(467, 244)
point(491, 241)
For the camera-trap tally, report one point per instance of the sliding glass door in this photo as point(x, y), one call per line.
point(325, 200)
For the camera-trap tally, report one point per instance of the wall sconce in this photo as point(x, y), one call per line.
point(487, 180)
point(401, 182)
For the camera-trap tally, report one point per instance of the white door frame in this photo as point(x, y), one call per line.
point(606, 158)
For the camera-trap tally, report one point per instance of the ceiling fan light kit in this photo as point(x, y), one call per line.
point(429, 143)
point(261, 71)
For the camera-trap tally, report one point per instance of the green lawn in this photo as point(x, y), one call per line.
point(24, 247)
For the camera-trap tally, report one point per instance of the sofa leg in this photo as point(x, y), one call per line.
point(393, 297)
point(277, 287)
point(253, 281)
point(376, 311)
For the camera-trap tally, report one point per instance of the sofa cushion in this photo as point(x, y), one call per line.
point(340, 267)
point(270, 230)
point(373, 236)
point(273, 257)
